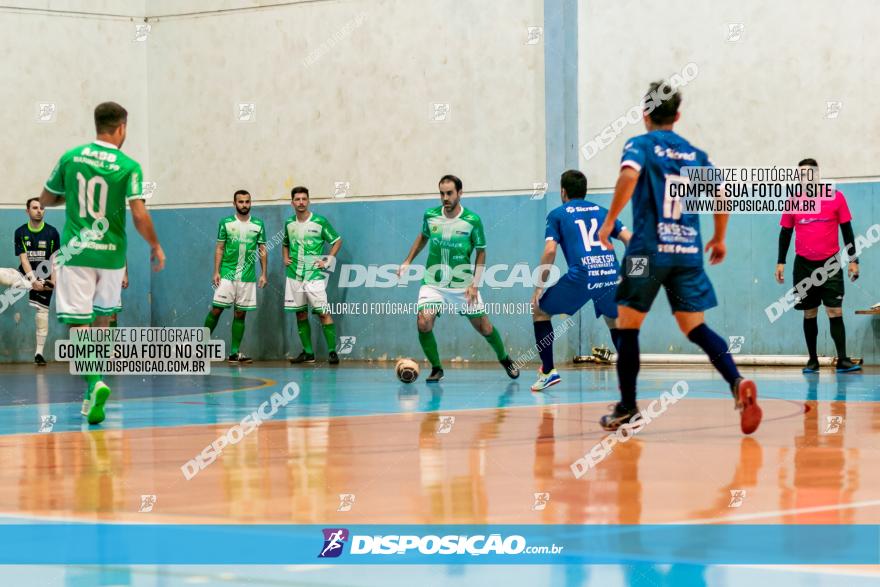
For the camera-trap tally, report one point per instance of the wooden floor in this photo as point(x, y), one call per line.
point(356, 431)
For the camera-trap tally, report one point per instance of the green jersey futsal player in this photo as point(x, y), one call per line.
point(240, 238)
point(95, 181)
point(304, 236)
point(452, 234)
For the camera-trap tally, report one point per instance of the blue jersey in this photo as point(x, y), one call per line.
point(575, 227)
point(660, 230)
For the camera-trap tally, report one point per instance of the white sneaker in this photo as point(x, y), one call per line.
point(546, 380)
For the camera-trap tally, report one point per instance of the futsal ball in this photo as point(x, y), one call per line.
point(407, 370)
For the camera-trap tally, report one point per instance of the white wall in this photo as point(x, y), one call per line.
point(359, 111)
point(75, 62)
point(343, 92)
point(757, 101)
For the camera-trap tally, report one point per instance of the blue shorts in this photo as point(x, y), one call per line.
point(687, 288)
point(571, 292)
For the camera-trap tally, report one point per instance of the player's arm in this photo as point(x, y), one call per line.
point(53, 189)
point(264, 263)
point(548, 257)
point(624, 236)
point(785, 234)
point(716, 245)
point(330, 236)
point(623, 191)
point(479, 265)
point(54, 242)
point(48, 199)
point(849, 243)
point(218, 257)
point(414, 251)
point(125, 277)
point(144, 225)
point(29, 272)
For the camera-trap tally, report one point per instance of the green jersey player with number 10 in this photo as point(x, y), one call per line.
point(95, 181)
point(240, 239)
point(452, 234)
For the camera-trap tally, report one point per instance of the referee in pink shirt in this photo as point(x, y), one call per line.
point(815, 242)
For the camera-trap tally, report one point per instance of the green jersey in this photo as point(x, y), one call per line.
point(306, 243)
point(450, 244)
point(95, 180)
point(240, 250)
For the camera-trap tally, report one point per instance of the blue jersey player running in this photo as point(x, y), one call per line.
point(669, 240)
point(592, 269)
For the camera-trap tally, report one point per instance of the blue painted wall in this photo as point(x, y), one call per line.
point(381, 232)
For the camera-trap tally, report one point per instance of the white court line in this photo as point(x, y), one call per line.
point(778, 513)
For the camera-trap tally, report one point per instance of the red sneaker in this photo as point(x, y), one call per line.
point(746, 394)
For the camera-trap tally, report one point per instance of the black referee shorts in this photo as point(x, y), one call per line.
point(829, 293)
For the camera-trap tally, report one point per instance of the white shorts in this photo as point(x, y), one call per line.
point(299, 295)
point(450, 300)
point(241, 294)
point(86, 292)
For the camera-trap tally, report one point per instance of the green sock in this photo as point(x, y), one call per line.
point(305, 335)
point(91, 380)
point(211, 321)
point(429, 346)
point(497, 344)
point(330, 336)
point(237, 334)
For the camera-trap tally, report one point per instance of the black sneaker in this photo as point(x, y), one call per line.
point(303, 357)
point(435, 376)
point(844, 365)
point(39, 360)
point(812, 366)
point(334, 358)
point(240, 358)
point(618, 417)
point(511, 369)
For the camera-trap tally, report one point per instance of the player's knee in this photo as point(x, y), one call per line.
point(424, 323)
point(484, 327)
point(811, 313)
point(240, 314)
point(832, 312)
point(302, 316)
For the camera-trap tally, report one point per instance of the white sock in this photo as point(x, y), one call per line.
point(42, 320)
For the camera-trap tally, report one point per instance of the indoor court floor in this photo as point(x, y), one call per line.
point(356, 430)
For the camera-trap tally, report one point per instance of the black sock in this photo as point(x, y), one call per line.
point(544, 336)
point(628, 365)
point(838, 334)
point(811, 334)
point(715, 347)
point(615, 334)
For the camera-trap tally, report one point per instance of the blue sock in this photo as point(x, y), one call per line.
point(627, 365)
point(715, 347)
point(544, 336)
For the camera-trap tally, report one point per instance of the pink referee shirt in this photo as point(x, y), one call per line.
point(815, 235)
